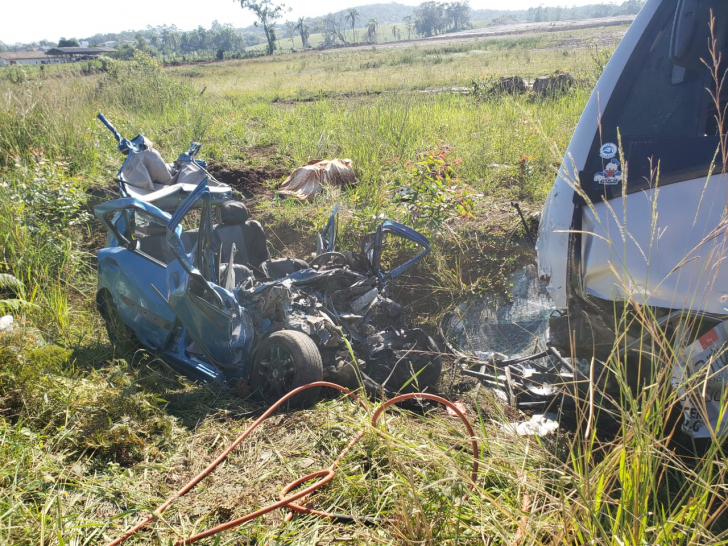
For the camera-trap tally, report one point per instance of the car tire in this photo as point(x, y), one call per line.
point(284, 361)
point(120, 335)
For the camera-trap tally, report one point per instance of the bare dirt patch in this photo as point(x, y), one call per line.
point(250, 181)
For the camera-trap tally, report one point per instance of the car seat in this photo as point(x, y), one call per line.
point(247, 236)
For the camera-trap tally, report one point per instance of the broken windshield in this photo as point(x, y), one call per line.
point(514, 324)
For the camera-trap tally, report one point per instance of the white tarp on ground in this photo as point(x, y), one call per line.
point(308, 181)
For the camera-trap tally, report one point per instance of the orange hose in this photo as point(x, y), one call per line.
point(325, 476)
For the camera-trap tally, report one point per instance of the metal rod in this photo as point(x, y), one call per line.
point(525, 224)
point(522, 359)
point(561, 359)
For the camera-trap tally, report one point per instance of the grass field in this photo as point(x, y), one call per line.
point(92, 438)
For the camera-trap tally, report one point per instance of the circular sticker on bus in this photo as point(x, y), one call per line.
point(608, 150)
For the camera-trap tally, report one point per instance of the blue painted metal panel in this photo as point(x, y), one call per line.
point(130, 278)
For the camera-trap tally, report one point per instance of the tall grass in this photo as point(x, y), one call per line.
point(88, 441)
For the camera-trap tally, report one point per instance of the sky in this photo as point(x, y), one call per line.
point(34, 20)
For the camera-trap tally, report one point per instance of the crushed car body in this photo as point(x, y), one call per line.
point(199, 287)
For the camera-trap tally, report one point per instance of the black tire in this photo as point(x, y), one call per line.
point(284, 361)
point(120, 335)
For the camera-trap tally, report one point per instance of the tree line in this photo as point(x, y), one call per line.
point(428, 19)
point(345, 27)
point(541, 13)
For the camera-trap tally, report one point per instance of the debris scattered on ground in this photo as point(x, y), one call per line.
point(459, 405)
point(513, 324)
point(306, 182)
point(540, 424)
point(501, 340)
point(6, 322)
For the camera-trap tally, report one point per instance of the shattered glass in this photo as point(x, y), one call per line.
point(514, 326)
point(502, 342)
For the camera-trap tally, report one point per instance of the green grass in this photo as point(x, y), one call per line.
point(372, 69)
point(90, 438)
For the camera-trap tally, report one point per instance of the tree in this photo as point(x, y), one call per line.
point(140, 43)
point(395, 32)
point(154, 41)
point(70, 42)
point(535, 14)
point(290, 30)
point(201, 37)
point(332, 27)
point(601, 10)
point(267, 13)
point(351, 16)
point(458, 13)
point(125, 52)
point(410, 26)
point(170, 38)
point(226, 38)
point(429, 18)
point(305, 31)
point(372, 26)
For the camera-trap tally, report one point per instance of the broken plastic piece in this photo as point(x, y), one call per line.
point(540, 424)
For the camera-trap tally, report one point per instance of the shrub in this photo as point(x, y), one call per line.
point(429, 191)
point(142, 85)
point(46, 196)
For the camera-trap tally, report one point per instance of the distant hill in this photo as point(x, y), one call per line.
point(394, 13)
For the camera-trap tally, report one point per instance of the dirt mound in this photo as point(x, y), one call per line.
point(249, 181)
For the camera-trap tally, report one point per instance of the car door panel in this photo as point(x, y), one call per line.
point(130, 277)
point(211, 315)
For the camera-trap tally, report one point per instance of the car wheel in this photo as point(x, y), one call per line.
point(120, 335)
point(284, 361)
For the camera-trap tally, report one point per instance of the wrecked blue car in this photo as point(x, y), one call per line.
point(199, 288)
